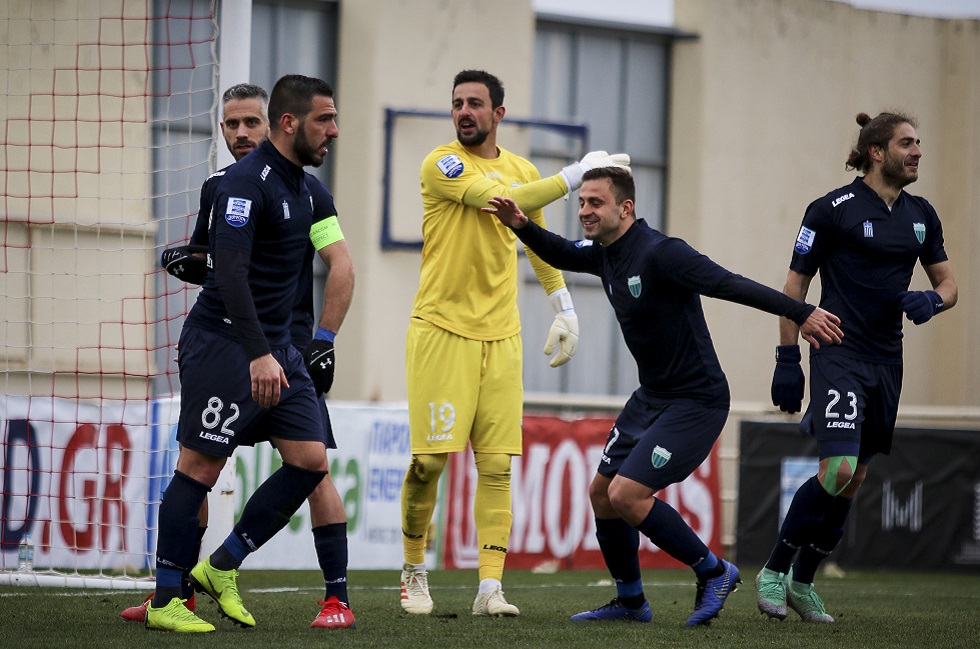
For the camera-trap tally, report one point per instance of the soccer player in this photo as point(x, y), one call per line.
point(864, 239)
point(464, 353)
point(242, 381)
point(245, 125)
point(668, 426)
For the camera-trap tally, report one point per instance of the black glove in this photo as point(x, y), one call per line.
point(318, 357)
point(920, 306)
point(182, 263)
point(788, 380)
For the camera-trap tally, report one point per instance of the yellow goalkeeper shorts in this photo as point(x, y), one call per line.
point(462, 390)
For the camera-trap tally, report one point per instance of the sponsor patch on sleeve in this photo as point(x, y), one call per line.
point(804, 241)
point(450, 166)
point(237, 212)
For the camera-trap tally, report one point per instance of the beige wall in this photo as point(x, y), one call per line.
point(762, 118)
point(763, 108)
point(67, 308)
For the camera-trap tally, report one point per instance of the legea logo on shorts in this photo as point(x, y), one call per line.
point(237, 212)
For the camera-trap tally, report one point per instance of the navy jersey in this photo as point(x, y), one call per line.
point(654, 283)
point(303, 318)
point(209, 191)
point(262, 210)
point(866, 254)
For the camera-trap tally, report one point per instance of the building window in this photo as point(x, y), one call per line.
point(615, 82)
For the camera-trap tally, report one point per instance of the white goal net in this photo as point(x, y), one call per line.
point(107, 109)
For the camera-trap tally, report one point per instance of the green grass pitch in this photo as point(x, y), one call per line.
point(873, 609)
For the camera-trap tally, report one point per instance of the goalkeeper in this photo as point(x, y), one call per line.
point(464, 351)
point(670, 423)
point(245, 125)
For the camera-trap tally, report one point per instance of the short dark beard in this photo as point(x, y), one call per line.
point(476, 139)
point(894, 173)
point(303, 149)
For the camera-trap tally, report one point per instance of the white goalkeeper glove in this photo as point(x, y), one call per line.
point(572, 174)
point(564, 329)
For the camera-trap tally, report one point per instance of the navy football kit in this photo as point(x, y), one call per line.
point(303, 318)
point(866, 254)
point(654, 283)
point(244, 310)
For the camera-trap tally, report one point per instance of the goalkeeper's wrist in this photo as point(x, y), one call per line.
point(324, 334)
point(561, 302)
point(572, 175)
point(788, 354)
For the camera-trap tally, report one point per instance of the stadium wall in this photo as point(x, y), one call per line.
point(763, 107)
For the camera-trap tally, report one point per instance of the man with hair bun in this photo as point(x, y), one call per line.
point(864, 239)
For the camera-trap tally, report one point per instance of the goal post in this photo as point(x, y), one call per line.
point(109, 122)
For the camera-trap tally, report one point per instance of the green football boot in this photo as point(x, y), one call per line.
point(771, 586)
point(222, 586)
point(802, 599)
point(175, 617)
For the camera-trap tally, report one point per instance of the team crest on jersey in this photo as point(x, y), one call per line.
point(920, 231)
point(583, 243)
point(238, 211)
point(450, 166)
point(635, 286)
point(869, 230)
point(804, 240)
point(659, 457)
point(285, 211)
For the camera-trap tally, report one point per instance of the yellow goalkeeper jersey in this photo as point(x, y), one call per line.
point(468, 282)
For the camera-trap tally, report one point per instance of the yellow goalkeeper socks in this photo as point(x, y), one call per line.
point(492, 512)
point(419, 492)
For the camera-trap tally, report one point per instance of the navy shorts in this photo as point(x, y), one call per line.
point(659, 443)
point(853, 406)
point(217, 412)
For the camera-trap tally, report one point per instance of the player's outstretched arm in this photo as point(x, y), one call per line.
point(507, 211)
point(821, 326)
point(535, 195)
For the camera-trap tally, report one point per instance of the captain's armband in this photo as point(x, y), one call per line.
point(325, 232)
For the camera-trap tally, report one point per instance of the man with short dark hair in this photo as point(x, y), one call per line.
point(245, 125)
point(242, 381)
point(666, 430)
point(464, 351)
point(864, 239)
